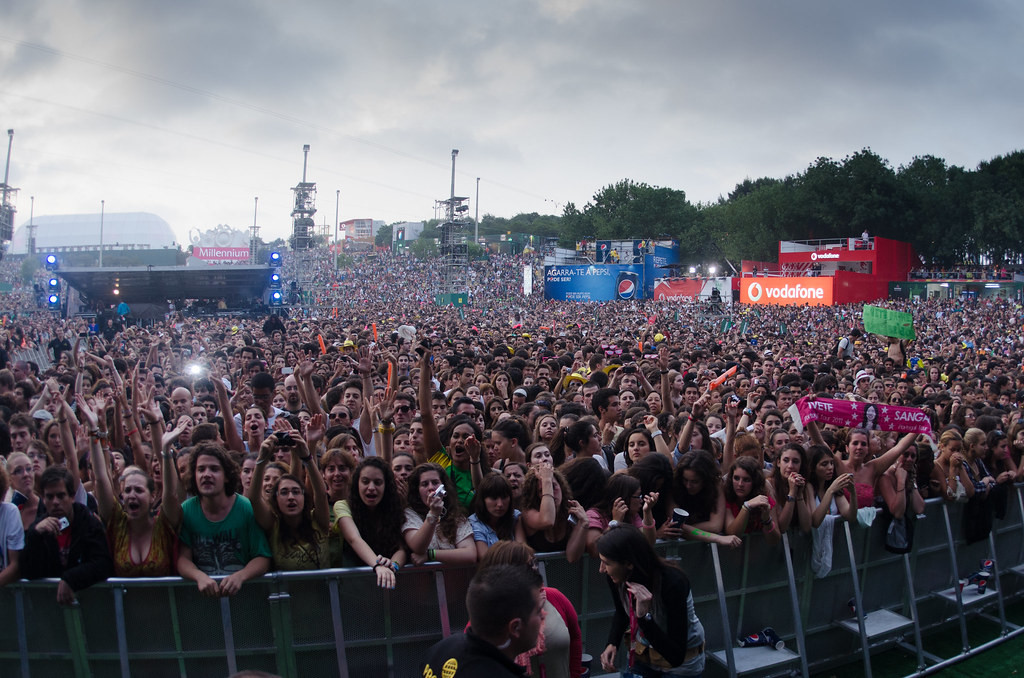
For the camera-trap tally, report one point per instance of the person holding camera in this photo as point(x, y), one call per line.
point(67, 541)
point(435, 529)
point(296, 523)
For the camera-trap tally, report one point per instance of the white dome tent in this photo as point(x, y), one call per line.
point(78, 232)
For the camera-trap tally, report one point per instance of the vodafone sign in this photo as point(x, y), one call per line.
point(787, 291)
point(819, 256)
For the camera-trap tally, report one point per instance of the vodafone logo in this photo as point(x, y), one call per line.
point(791, 292)
point(823, 255)
point(787, 291)
point(755, 291)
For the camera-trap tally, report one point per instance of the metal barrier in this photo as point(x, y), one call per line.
point(337, 622)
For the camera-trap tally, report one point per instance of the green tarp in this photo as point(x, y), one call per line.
point(889, 323)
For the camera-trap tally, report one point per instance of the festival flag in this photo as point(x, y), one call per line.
point(725, 325)
point(888, 323)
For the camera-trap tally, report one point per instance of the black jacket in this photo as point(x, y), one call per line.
point(673, 592)
point(468, 656)
point(89, 559)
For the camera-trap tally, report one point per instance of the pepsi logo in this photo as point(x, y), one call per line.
point(626, 288)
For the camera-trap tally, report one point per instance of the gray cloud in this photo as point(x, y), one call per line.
point(190, 109)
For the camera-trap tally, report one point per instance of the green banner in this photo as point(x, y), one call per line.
point(725, 325)
point(889, 323)
point(744, 327)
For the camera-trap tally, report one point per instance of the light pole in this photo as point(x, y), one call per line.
point(476, 219)
point(337, 203)
point(102, 209)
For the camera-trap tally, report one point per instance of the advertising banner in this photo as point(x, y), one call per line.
point(786, 291)
point(527, 280)
point(214, 253)
point(602, 249)
point(593, 283)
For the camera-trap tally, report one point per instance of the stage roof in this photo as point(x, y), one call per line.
point(154, 284)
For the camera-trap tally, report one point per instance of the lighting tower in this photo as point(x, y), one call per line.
point(7, 193)
point(254, 233)
point(454, 251)
point(304, 209)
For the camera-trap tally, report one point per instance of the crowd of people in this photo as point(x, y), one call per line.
point(373, 429)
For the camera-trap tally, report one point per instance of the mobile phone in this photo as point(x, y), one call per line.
point(83, 335)
point(64, 523)
point(18, 499)
point(628, 369)
point(287, 370)
point(284, 438)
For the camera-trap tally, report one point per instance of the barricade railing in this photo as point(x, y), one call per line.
point(338, 622)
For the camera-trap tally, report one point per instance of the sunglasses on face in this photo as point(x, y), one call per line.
point(403, 409)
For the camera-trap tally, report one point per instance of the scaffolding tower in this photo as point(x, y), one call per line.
point(454, 251)
point(303, 209)
point(7, 195)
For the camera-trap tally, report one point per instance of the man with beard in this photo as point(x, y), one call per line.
point(293, 398)
point(219, 533)
point(68, 541)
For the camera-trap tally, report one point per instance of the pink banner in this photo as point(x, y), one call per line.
point(220, 253)
point(872, 416)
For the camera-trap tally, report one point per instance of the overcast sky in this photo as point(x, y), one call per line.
point(191, 109)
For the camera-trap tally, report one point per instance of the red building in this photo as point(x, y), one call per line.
point(856, 270)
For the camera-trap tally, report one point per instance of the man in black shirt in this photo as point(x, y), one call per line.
point(505, 608)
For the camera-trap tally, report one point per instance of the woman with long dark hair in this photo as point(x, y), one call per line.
point(653, 605)
point(370, 521)
point(494, 518)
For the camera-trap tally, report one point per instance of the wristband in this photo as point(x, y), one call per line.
point(432, 519)
point(749, 412)
point(305, 460)
point(664, 371)
point(394, 566)
point(475, 462)
point(790, 497)
point(430, 554)
point(745, 507)
point(657, 433)
point(613, 523)
point(649, 525)
point(132, 432)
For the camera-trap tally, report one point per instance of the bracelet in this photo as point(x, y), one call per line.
point(432, 519)
point(132, 432)
point(475, 462)
point(749, 412)
point(547, 494)
point(305, 460)
point(431, 554)
point(261, 461)
point(790, 497)
point(745, 507)
point(664, 371)
point(649, 525)
point(385, 429)
point(394, 566)
point(657, 433)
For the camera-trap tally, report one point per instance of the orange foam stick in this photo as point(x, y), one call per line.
point(721, 380)
point(641, 345)
point(374, 325)
point(323, 347)
point(390, 369)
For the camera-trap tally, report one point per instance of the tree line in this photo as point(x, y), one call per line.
point(950, 214)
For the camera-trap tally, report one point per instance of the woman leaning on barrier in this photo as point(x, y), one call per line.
point(435, 528)
point(297, 524)
point(654, 609)
point(142, 545)
point(370, 522)
point(750, 508)
point(546, 504)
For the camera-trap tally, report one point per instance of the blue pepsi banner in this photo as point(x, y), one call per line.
point(602, 250)
point(593, 283)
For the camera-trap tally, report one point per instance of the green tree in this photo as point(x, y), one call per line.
point(630, 210)
point(29, 266)
point(424, 248)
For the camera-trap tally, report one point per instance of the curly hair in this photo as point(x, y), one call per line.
point(232, 474)
point(304, 533)
point(449, 523)
point(703, 464)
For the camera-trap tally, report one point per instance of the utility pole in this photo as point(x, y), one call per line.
point(476, 219)
point(337, 204)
